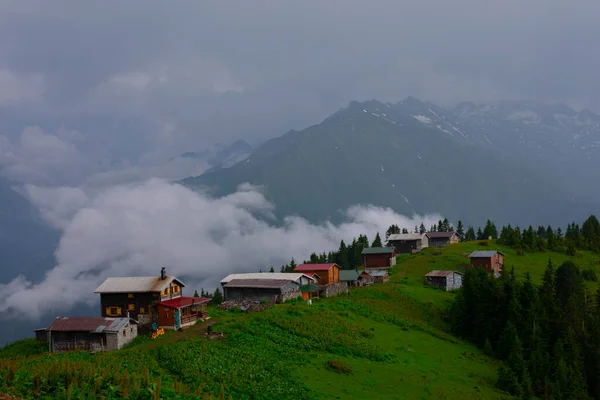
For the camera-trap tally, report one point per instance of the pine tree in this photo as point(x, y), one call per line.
point(480, 235)
point(272, 269)
point(393, 229)
point(292, 265)
point(460, 230)
point(490, 230)
point(404, 230)
point(196, 293)
point(470, 235)
point(377, 241)
point(217, 297)
point(422, 229)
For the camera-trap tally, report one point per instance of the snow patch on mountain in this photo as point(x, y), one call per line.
point(422, 118)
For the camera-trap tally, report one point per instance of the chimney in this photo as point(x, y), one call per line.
point(163, 273)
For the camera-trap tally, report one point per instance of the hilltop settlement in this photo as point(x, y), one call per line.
point(133, 305)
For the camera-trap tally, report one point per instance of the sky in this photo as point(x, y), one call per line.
point(98, 99)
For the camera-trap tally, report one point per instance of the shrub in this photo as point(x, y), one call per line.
point(339, 366)
point(483, 243)
point(589, 275)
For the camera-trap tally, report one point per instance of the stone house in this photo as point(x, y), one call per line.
point(408, 243)
point(441, 239)
point(88, 333)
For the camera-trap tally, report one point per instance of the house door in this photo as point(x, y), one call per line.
point(177, 319)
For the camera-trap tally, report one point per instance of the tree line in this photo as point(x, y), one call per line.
point(548, 336)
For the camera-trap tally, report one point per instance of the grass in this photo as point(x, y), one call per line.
point(381, 342)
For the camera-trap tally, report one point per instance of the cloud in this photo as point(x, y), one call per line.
point(16, 89)
point(136, 229)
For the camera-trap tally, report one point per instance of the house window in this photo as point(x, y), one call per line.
point(113, 311)
point(131, 307)
point(130, 296)
point(125, 332)
point(175, 289)
point(142, 310)
point(166, 292)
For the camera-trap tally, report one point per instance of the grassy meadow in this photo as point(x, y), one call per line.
point(381, 342)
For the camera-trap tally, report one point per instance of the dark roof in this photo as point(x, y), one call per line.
point(405, 237)
point(378, 250)
point(438, 273)
point(309, 288)
point(183, 302)
point(259, 283)
point(484, 253)
point(349, 275)
point(314, 267)
point(436, 235)
point(88, 324)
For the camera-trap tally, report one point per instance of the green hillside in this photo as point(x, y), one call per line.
point(383, 342)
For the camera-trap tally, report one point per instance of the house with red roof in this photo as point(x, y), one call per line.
point(181, 312)
point(327, 273)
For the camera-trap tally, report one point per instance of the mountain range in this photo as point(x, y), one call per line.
point(508, 161)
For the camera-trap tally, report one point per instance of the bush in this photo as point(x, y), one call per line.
point(589, 275)
point(339, 366)
point(483, 243)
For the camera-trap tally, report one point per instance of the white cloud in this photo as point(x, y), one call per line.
point(136, 229)
point(44, 158)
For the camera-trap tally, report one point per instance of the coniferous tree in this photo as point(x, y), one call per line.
point(460, 230)
point(292, 265)
point(196, 293)
point(422, 229)
point(480, 235)
point(490, 230)
point(272, 269)
point(470, 235)
point(404, 230)
point(377, 241)
point(393, 229)
point(217, 297)
point(342, 256)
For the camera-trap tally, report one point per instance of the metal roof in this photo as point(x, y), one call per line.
point(349, 275)
point(378, 272)
point(406, 236)
point(315, 267)
point(291, 276)
point(259, 283)
point(484, 253)
point(436, 235)
point(438, 273)
point(88, 324)
point(378, 250)
point(139, 284)
point(183, 302)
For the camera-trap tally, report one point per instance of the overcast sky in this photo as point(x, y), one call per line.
point(97, 97)
point(139, 75)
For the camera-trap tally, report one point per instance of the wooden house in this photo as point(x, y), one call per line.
point(441, 239)
point(491, 260)
point(355, 278)
point(328, 273)
point(408, 243)
point(181, 312)
point(276, 290)
point(88, 333)
point(379, 257)
point(379, 275)
point(447, 280)
point(301, 278)
point(136, 296)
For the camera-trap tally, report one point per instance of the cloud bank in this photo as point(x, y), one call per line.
point(133, 230)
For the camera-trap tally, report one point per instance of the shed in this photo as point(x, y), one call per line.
point(408, 243)
point(379, 275)
point(447, 280)
point(441, 239)
point(89, 333)
point(181, 312)
point(491, 260)
point(301, 278)
point(355, 278)
point(277, 290)
point(379, 257)
point(328, 273)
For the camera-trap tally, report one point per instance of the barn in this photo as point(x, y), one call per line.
point(379, 257)
point(276, 290)
point(447, 280)
point(88, 333)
